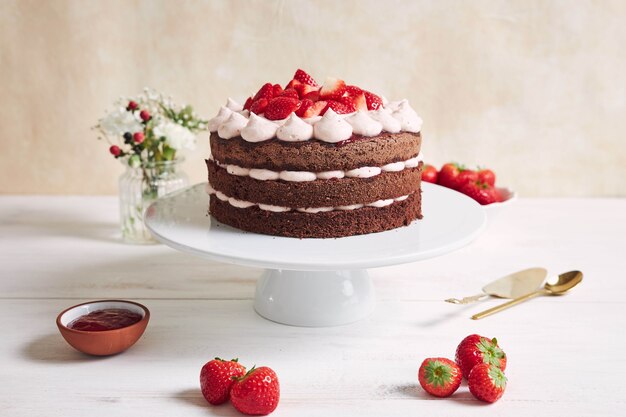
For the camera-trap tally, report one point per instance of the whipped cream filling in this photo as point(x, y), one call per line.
point(279, 209)
point(301, 176)
point(393, 117)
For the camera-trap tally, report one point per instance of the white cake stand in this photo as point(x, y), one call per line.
point(315, 282)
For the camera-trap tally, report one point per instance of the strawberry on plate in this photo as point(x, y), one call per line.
point(332, 89)
point(448, 175)
point(429, 174)
point(466, 175)
point(257, 392)
point(487, 176)
point(481, 192)
point(304, 78)
point(487, 382)
point(439, 376)
point(476, 349)
point(281, 107)
point(216, 379)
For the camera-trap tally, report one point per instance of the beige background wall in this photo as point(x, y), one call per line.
point(534, 89)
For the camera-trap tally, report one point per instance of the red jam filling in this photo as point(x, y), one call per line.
point(106, 319)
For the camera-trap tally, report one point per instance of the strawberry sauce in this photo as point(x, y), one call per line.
point(106, 319)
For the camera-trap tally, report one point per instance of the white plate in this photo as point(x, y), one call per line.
point(451, 220)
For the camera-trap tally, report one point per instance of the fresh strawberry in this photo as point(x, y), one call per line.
point(448, 175)
point(304, 78)
point(292, 84)
point(304, 106)
point(267, 91)
point(304, 89)
point(277, 90)
point(475, 349)
point(360, 103)
point(352, 91)
point(439, 376)
point(290, 92)
point(374, 102)
point(487, 176)
point(248, 103)
point(481, 192)
point(340, 108)
point(281, 107)
point(349, 102)
point(429, 174)
point(216, 379)
point(259, 106)
point(466, 175)
point(317, 109)
point(257, 392)
point(313, 95)
point(486, 382)
point(332, 89)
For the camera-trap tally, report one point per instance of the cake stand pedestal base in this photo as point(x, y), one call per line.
point(314, 298)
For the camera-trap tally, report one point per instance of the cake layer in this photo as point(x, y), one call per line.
point(316, 156)
point(317, 193)
point(337, 223)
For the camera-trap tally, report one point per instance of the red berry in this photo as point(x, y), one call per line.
point(138, 137)
point(448, 175)
point(248, 103)
point(304, 105)
point(439, 376)
point(339, 108)
point(267, 91)
point(304, 78)
point(352, 91)
point(332, 89)
point(360, 103)
point(374, 102)
point(145, 115)
point(292, 84)
point(313, 95)
point(317, 109)
point(132, 105)
point(257, 392)
point(466, 175)
point(486, 382)
point(475, 349)
point(481, 192)
point(277, 90)
point(487, 176)
point(429, 174)
point(259, 106)
point(216, 379)
point(305, 89)
point(290, 92)
point(115, 150)
point(349, 102)
point(281, 107)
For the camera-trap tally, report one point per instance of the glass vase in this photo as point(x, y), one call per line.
point(141, 186)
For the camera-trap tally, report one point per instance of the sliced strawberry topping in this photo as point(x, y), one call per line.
point(352, 91)
point(304, 78)
point(360, 102)
point(313, 95)
point(349, 102)
point(292, 84)
point(332, 89)
point(317, 109)
point(259, 106)
point(277, 90)
point(290, 92)
point(373, 101)
point(304, 89)
point(340, 108)
point(304, 106)
point(267, 91)
point(248, 103)
point(281, 107)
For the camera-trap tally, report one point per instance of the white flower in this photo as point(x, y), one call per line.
point(119, 122)
point(176, 136)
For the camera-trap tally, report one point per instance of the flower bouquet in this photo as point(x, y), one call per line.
point(147, 133)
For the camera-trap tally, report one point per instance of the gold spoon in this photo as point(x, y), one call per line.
point(564, 283)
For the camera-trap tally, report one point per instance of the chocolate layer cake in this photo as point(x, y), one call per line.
point(315, 162)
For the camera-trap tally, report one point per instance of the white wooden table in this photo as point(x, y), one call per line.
point(566, 354)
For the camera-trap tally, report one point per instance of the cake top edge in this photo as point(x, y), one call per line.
point(304, 110)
